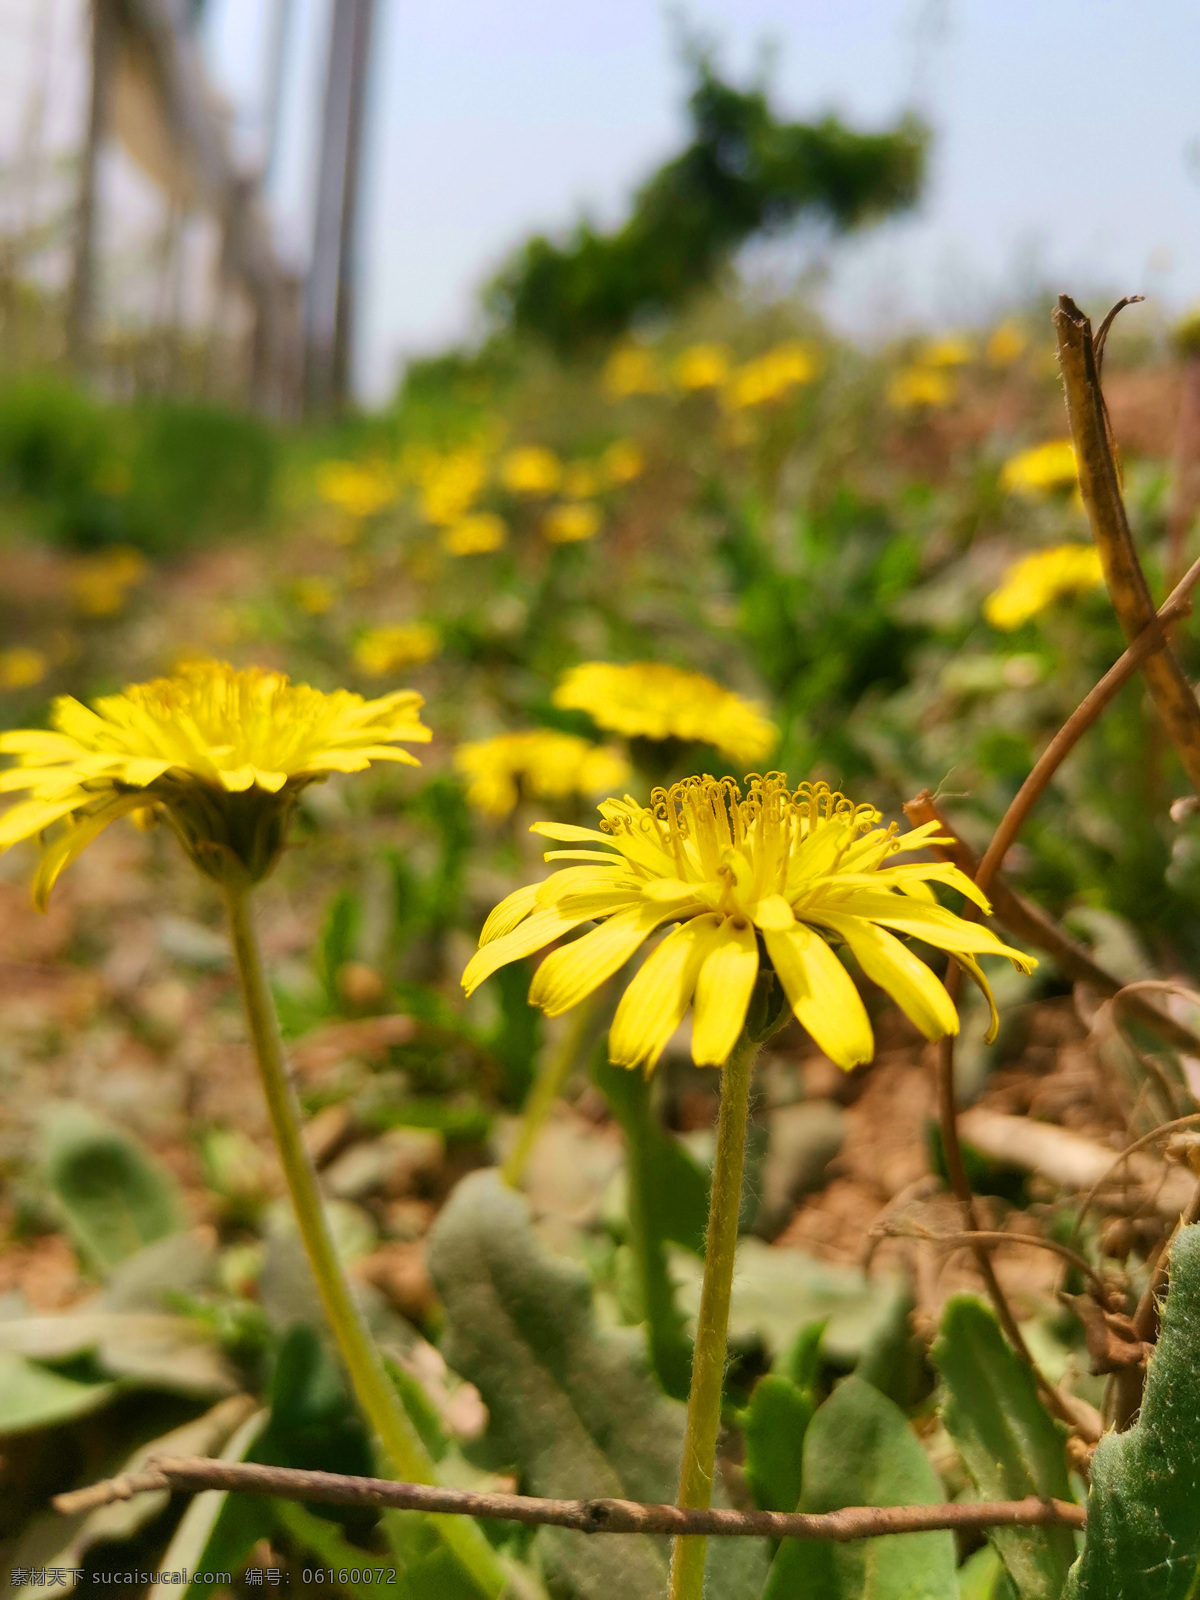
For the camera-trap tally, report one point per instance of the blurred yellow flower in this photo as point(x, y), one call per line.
point(1038, 580)
point(314, 596)
point(581, 480)
point(622, 462)
point(1041, 470)
point(21, 667)
point(573, 522)
point(221, 755)
point(952, 351)
point(1006, 343)
point(100, 584)
point(531, 470)
point(384, 650)
point(788, 868)
point(772, 376)
point(475, 535)
point(450, 484)
point(547, 765)
point(649, 700)
point(359, 488)
point(632, 370)
point(917, 388)
point(702, 366)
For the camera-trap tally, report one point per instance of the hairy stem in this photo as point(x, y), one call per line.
point(712, 1325)
point(372, 1387)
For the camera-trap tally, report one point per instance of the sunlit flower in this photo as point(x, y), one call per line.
point(314, 596)
point(100, 584)
point(21, 667)
point(531, 470)
point(546, 764)
point(1038, 580)
point(1006, 343)
point(772, 376)
point(450, 484)
point(1040, 471)
point(475, 535)
point(359, 488)
point(221, 755)
point(622, 462)
point(952, 351)
point(649, 700)
point(632, 370)
point(921, 388)
point(581, 480)
point(799, 871)
point(384, 650)
point(573, 522)
point(702, 366)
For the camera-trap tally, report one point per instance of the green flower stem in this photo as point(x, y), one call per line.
point(580, 1034)
point(712, 1326)
point(372, 1387)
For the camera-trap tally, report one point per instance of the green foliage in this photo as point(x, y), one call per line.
point(113, 1197)
point(859, 1450)
point(744, 172)
point(34, 1397)
point(197, 469)
point(983, 1576)
point(572, 1409)
point(1008, 1442)
point(774, 1425)
point(1143, 1533)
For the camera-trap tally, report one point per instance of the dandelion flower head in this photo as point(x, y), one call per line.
point(358, 488)
point(531, 470)
point(476, 535)
point(450, 483)
point(220, 754)
point(622, 462)
point(952, 351)
point(1036, 581)
point(546, 764)
point(100, 584)
point(404, 644)
point(1040, 471)
point(765, 876)
point(920, 388)
point(1006, 343)
point(22, 667)
point(650, 700)
point(702, 366)
point(631, 371)
point(572, 522)
point(772, 376)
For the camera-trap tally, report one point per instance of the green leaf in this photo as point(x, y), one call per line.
point(34, 1397)
point(861, 1451)
point(893, 1358)
point(147, 1349)
point(339, 943)
point(218, 1530)
point(801, 1361)
point(113, 1197)
point(774, 1425)
point(571, 1408)
point(984, 1576)
point(1143, 1534)
point(1008, 1442)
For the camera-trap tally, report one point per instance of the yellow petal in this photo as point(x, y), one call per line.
point(570, 973)
point(68, 845)
point(513, 909)
point(723, 993)
point(537, 931)
point(654, 1004)
point(898, 970)
point(568, 833)
point(934, 924)
point(28, 817)
point(969, 964)
point(821, 994)
point(773, 911)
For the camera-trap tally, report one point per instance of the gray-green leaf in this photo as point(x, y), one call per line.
point(860, 1451)
point(1143, 1534)
point(1008, 1442)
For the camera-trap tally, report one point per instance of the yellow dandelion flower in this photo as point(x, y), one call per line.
point(1038, 580)
point(772, 376)
point(1006, 343)
point(384, 650)
point(475, 535)
point(314, 596)
point(921, 388)
point(531, 470)
point(100, 584)
point(573, 522)
point(21, 667)
point(632, 370)
point(359, 488)
point(581, 480)
point(1040, 471)
point(702, 366)
point(220, 754)
point(649, 700)
point(801, 871)
point(952, 351)
point(546, 764)
point(450, 484)
point(622, 462)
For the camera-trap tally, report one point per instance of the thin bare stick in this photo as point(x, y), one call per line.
point(585, 1516)
point(962, 1239)
point(1099, 483)
point(1089, 1198)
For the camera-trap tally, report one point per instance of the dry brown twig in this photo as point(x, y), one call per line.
point(585, 1516)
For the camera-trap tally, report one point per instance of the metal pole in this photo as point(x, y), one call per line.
point(81, 301)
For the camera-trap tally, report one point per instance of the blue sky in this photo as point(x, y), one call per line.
point(1066, 140)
